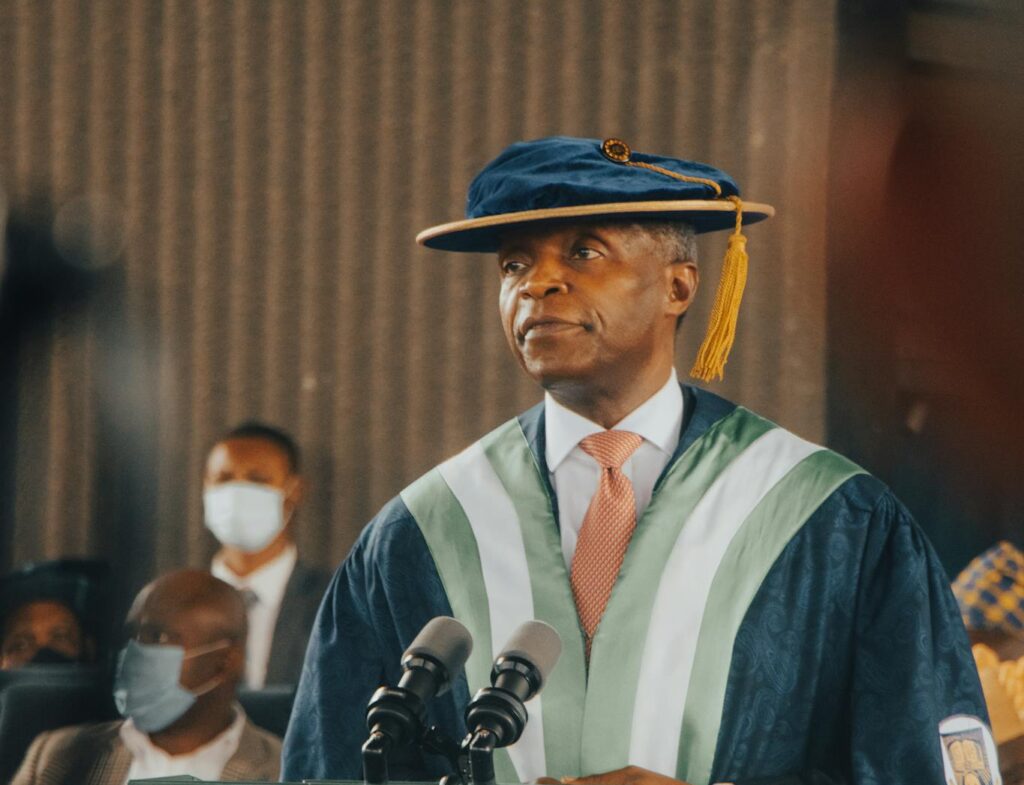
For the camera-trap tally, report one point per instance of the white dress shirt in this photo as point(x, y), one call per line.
point(205, 763)
point(267, 584)
point(575, 475)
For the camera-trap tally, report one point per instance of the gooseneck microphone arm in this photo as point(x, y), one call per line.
point(497, 716)
point(396, 716)
point(499, 708)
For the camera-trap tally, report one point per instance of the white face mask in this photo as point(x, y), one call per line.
point(244, 515)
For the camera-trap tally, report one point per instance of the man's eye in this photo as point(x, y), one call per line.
point(511, 266)
point(583, 252)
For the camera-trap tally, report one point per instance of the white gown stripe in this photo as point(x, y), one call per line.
point(499, 539)
point(678, 610)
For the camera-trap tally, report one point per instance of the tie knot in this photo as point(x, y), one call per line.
point(611, 449)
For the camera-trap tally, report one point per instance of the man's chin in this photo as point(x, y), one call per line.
point(552, 375)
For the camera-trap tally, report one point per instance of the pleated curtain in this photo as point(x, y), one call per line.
point(237, 185)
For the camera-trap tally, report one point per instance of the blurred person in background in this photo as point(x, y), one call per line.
point(43, 632)
point(252, 489)
point(175, 685)
point(990, 593)
point(50, 613)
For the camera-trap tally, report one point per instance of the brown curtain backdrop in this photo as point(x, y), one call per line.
point(230, 191)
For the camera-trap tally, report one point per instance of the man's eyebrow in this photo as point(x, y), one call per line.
point(511, 249)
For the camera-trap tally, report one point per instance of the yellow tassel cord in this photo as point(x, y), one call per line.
point(618, 151)
point(685, 178)
point(714, 352)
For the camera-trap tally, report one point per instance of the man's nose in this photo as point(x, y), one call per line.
point(546, 277)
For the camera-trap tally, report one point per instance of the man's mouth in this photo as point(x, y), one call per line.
point(538, 327)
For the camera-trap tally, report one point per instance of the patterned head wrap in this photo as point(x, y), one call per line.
point(990, 590)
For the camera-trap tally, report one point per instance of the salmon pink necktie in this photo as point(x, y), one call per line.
point(607, 527)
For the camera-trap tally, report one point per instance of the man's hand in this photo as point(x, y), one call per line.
point(631, 775)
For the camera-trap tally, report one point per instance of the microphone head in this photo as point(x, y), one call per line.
point(444, 640)
point(536, 643)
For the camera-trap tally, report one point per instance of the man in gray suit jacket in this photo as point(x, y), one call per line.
point(252, 488)
point(176, 684)
point(302, 595)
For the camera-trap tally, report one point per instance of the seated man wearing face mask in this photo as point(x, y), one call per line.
point(175, 684)
point(43, 632)
point(252, 488)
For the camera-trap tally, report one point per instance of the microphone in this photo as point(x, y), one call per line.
point(519, 673)
point(395, 716)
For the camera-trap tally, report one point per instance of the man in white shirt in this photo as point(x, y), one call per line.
point(176, 685)
point(251, 491)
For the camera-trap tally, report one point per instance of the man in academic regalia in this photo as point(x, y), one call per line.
point(734, 602)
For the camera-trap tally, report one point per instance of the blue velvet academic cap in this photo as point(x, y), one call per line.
point(562, 178)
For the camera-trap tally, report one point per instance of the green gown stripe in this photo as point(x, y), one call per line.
point(619, 642)
point(499, 538)
point(453, 547)
point(563, 698)
point(748, 559)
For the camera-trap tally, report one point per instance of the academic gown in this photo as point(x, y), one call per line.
point(806, 631)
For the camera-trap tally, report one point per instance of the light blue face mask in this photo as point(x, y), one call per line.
point(148, 688)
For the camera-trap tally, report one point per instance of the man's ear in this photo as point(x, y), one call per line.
point(294, 494)
point(682, 280)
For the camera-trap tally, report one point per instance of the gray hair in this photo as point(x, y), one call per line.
point(679, 238)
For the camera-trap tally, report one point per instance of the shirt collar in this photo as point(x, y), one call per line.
point(657, 420)
point(268, 582)
point(223, 744)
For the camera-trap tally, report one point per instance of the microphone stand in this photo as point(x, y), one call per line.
point(473, 760)
point(481, 747)
point(436, 742)
point(379, 745)
point(375, 759)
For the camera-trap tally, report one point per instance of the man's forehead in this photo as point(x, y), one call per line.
point(535, 234)
point(41, 611)
point(248, 448)
point(168, 615)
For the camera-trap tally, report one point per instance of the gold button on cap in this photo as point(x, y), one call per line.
point(616, 150)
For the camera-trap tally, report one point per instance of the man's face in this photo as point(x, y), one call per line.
point(162, 620)
point(40, 625)
point(589, 304)
point(252, 459)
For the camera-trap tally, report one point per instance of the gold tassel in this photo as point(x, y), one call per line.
point(714, 352)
